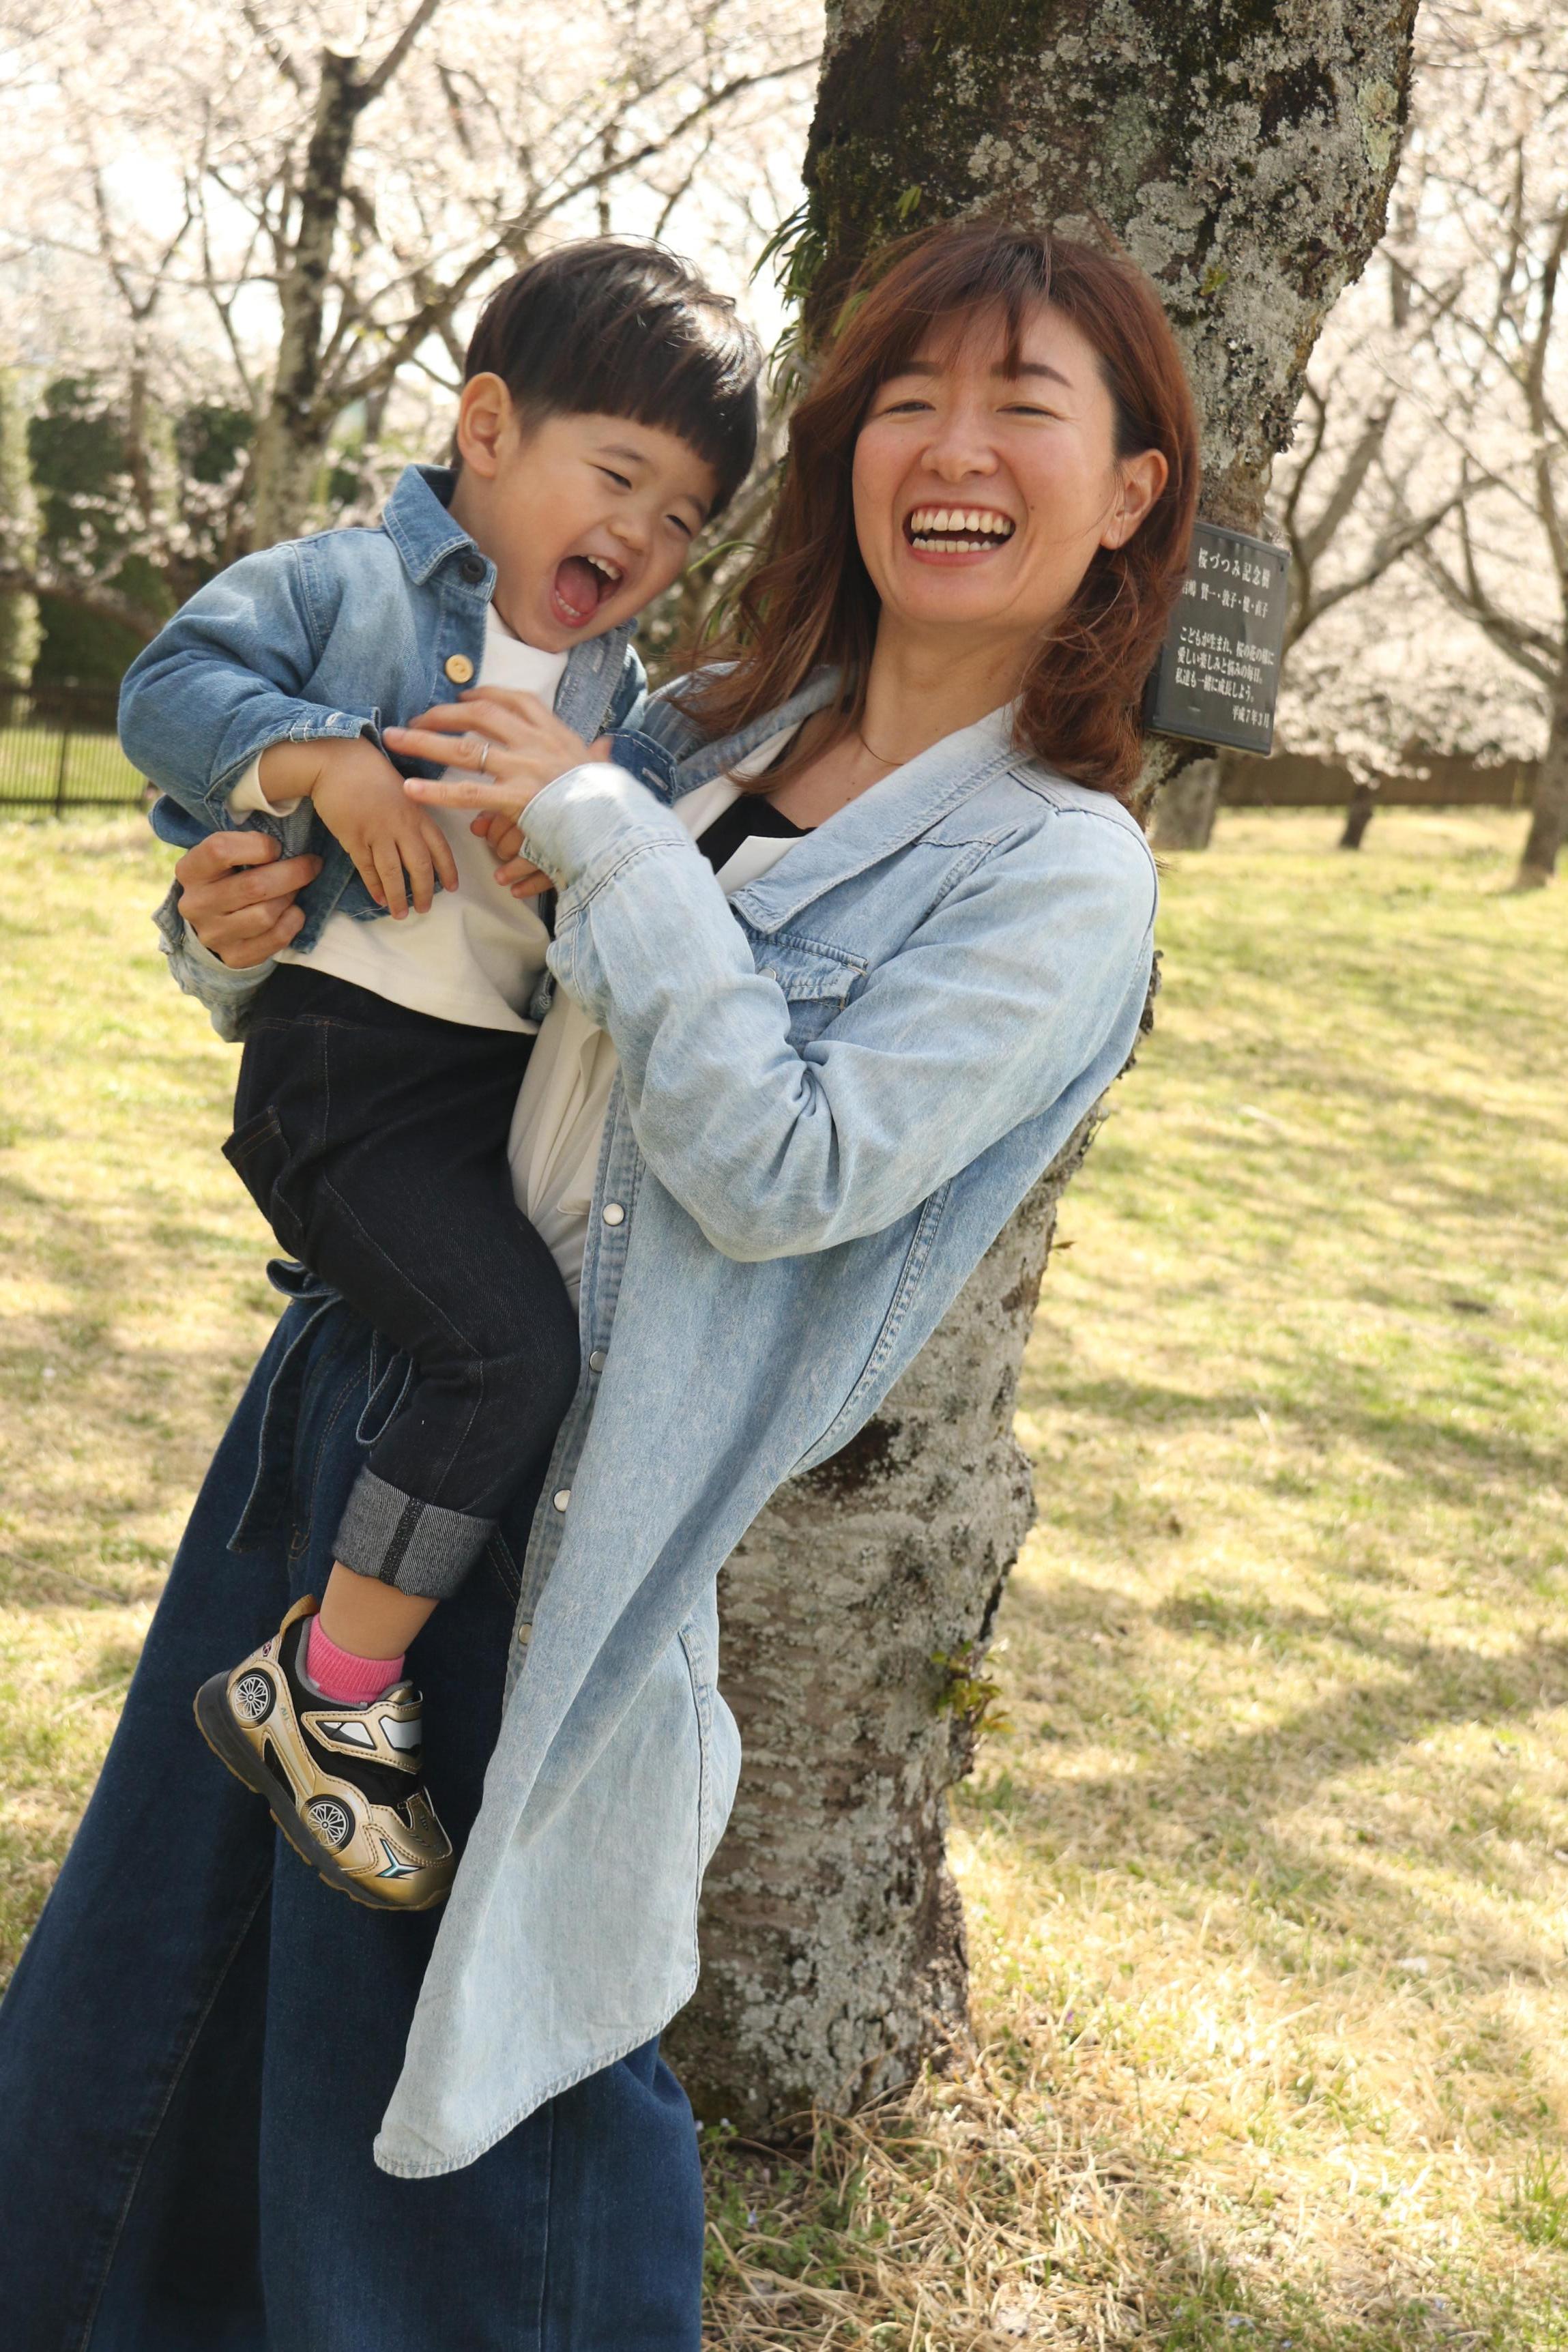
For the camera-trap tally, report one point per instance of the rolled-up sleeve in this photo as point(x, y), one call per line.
point(228, 995)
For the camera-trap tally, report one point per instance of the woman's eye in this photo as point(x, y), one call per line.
point(910, 408)
point(1029, 408)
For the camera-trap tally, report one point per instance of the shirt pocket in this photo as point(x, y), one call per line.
point(818, 979)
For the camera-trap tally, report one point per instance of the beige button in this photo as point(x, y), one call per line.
point(561, 1498)
point(613, 1213)
point(597, 1360)
point(459, 669)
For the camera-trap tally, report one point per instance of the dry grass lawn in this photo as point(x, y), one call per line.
point(1268, 1879)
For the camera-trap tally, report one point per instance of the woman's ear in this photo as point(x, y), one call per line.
point(485, 411)
point(1140, 481)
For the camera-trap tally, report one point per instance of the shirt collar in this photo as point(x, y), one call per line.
point(884, 819)
point(416, 521)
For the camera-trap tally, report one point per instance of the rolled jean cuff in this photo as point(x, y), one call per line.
point(416, 1547)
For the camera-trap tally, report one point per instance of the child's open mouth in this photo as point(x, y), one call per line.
point(580, 584)
point(957, 530)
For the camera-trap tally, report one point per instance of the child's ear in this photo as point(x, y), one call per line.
point(485, 412)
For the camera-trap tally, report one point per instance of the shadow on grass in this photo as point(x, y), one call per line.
point(1413, 1440)
point(1219, 1795)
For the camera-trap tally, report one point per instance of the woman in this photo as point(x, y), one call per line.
point(840, 1066)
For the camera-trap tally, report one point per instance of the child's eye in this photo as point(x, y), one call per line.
point(681, 525)
point(619, 480)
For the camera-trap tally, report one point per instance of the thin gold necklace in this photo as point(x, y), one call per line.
point(880, 757)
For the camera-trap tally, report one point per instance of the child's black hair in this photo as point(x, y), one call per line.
point(610, 328)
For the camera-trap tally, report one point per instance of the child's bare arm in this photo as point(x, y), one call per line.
point(358, 794)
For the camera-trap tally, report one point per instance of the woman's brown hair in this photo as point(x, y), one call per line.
point(810, 599)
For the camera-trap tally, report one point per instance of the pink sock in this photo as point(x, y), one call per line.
point(343, 1677)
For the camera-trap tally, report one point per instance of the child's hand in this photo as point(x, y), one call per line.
point(514, 873)
point(359, 797)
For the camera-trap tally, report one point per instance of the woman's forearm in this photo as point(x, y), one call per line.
point(1023, 978)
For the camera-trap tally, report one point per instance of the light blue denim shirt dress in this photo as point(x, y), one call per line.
point(834, 1090)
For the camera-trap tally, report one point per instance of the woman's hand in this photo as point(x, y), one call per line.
point(511, 742)
point(238, 892)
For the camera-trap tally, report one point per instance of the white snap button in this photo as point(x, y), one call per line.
point(561, 1498)
point(613, 1213)
point(597, 1360)
point(525, 1635)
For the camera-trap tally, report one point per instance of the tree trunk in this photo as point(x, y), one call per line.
point(1184, 811)
point(1243, 156)
point(291, 438)
point(833, 1939)
point(1358, 816)
point(19, 631)
point(1548, 805)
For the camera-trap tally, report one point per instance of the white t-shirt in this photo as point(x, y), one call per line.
point(476, 956)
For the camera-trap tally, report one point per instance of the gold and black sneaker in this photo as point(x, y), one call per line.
point(345, 1783)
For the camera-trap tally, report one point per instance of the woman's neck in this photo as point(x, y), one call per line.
point(923, 685)
point(918, 689)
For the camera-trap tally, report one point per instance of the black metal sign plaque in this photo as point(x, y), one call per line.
point(1218, 675)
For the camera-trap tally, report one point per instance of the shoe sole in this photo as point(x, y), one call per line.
point(229, 1745)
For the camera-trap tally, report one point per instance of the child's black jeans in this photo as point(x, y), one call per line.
point(373, 1141)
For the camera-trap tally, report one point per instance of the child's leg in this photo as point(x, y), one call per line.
point(420, 1230)
point(358, 1642)
point(376, 1139)
point(370, 1619)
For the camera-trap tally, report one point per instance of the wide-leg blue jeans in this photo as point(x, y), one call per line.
point(199, 2042)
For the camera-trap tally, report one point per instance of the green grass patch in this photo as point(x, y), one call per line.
point(1268, 1882)
point(121, 1352)
point(1267, 1878)
point(43, 766)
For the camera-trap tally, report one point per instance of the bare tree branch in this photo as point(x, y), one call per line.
point(374, 83)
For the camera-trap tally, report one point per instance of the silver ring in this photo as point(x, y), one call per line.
point(483, 761)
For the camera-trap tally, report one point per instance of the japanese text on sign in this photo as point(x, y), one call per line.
point(1218, 678)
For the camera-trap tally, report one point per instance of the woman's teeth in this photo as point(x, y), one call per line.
point(957, 530)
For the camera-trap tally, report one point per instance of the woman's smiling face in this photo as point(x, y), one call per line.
point(981, 495)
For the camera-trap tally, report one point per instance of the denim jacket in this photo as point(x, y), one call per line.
point(834, 1091)
point(327, 637)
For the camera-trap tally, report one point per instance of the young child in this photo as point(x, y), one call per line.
point(608, 410)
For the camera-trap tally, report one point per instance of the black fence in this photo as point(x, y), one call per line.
point(58, 751)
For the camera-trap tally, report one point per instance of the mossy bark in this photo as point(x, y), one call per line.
point(1241, 151)
point(1243, 154)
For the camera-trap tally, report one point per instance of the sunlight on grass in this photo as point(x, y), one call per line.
point(95, 769)
point(1268, 1884)
point(131, 1303)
